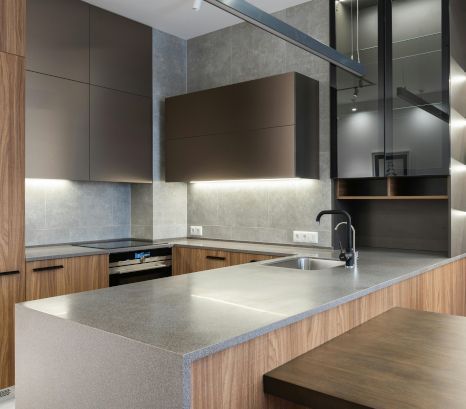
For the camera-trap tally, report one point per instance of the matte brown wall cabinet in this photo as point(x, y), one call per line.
point(121, 53)
point(121, 136)
point(266, 128)
point(58, 38)
point(57, 128)
point(89, 94)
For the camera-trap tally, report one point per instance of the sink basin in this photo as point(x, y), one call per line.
point(307, 263)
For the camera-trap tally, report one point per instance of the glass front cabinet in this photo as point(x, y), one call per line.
point(395, 121)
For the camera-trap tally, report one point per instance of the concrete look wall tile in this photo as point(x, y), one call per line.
point(167, 201)
point(271, 235)
point(203, 205)
point(243, 206)
point(243, 52)
point(255, 53)
point(209, 60)
point(66, 211)
point(217, 232)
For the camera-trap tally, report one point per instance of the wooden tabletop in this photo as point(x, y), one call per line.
point(400, 359)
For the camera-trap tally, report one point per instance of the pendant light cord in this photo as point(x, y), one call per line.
point(352, 31)
point(357, 30)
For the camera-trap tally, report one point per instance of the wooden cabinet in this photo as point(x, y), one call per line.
point(121, 137)
point(57, 128)
point(12, 26)
point(189, 260)
point(11, 187)
point(58, 38)
point(11, 292)
point(243, 258)
point(50, 278)
point(11, 163)
point(89, 93)
point(121, 53)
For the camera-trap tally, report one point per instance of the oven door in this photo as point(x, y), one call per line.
point(134, 273)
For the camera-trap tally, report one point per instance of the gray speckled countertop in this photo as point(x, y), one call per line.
point(36, 253)
point(197, 314)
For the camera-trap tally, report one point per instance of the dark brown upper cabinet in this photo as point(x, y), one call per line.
point(58, 38)
point(57, 128)
point(266, 128)
point(121, 136)
point(121, 53)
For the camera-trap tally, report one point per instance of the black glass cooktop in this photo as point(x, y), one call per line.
point(117, 244)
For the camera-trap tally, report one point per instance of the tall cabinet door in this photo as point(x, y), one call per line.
point(121, 53)
point(57, 128)
point(58, 38)
point(11, 206)
point(121, 142)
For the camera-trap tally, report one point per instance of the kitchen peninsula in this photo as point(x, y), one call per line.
point(204, 340)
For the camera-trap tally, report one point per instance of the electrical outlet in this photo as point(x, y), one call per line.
point(195, 230)
point(306, 237)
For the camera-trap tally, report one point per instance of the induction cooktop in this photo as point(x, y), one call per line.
point(117, 244)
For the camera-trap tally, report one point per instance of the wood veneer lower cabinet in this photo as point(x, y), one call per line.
point(189, 260)
point(11, 292)
point(243, 258)
point(50, 278)
point(233, 378)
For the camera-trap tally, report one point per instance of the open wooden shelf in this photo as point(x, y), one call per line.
point(433, 197)
point(393, 188)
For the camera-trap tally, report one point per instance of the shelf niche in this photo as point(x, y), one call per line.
point(393, 188)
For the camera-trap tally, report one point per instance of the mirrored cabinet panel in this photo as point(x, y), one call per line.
point(419, 143)
point(358, 119)
point(395, 120)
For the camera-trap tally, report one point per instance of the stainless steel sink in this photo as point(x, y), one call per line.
point(307, 263)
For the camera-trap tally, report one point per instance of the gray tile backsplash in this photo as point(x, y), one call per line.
point(160, 211)
point(59, 211)
point(263, 211)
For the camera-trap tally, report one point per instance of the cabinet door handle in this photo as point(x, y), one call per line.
point(49, 268)
point(215, 258)
point(9, 273)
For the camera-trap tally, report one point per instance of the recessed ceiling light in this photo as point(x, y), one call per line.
point(354, 109)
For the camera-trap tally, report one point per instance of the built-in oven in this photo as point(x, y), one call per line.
point(139, 265)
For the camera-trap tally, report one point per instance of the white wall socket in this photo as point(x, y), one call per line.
point(195, 230)
point(306, 237)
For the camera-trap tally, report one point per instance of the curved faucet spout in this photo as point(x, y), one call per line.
point(349, 255)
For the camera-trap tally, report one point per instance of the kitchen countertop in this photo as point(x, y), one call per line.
point(36, 253)
point(197, 314)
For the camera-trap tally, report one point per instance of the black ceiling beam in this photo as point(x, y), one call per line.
point(292, 35)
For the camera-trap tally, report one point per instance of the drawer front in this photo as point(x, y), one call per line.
point(189, 260)
point(50, 278)
point(243, 258)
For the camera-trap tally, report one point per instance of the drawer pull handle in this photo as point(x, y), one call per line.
point(9, 273)
point(215, 258)
point(49, 268)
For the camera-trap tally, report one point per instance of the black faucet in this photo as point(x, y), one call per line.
point(348, 255)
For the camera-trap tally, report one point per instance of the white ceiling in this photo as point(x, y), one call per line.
point(177, 16)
